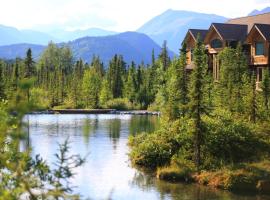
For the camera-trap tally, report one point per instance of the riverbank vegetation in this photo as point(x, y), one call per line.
point(59, 81)
point(23, 175)
point(216, 133)
point(213, 132)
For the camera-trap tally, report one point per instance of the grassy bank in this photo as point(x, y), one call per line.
point(252, 177)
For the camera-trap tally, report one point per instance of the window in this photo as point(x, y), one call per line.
point(216, 43)
point(259, 48)
point(259, 74)
point(191, 54)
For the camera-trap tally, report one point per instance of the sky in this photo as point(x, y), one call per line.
point(115, 15)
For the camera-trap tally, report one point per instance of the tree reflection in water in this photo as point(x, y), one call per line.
point(140, 124)
point(114, 128)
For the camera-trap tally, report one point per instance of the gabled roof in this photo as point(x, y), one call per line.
point(231, 32)
point(228, 32)
point(196, 32)
point(264, 29)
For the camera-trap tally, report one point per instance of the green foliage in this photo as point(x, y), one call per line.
point(155, 150)
point(119, 104)
point(38, 97)
point(91, 85)
point(197, 104)
point(21, 175)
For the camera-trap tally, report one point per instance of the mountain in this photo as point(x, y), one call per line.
point(172, 26)
point(133, 46)
point(10, 35)
point(257, 12)
point(65, 36)
point(19, 50)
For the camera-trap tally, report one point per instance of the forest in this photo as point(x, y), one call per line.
point(58, 81)
point(212, 132)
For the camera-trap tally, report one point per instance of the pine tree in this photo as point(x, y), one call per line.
point(130, 86)
point(266, 88)
point(198, 106)
point(2, 84)
point(164, 56)
point(183, 80)
point(116, 72)
point(29, 64)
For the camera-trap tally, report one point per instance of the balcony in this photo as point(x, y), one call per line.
point(259, 60)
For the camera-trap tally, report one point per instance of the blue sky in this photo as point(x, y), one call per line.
point(117, 15)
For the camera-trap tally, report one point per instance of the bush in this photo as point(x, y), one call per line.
point(228, 140)
point(154, 151)
point(39, 98)
point(118, 104)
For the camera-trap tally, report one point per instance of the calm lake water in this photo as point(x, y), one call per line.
point(107, 173)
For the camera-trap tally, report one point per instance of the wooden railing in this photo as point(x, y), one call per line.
point(259, 60)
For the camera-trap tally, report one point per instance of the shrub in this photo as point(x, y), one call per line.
point(153, 151)
point(39, 98)
point(228, 140)
point(118, 104)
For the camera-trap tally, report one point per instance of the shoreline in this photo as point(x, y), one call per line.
point(97, 111)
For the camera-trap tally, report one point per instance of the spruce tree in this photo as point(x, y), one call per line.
point(266, 88)
point(29, 64)
point(197, 105)
point(183, 80)
point(130, 86)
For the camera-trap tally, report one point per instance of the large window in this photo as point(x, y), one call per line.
point(216, 43)
point(259, 48)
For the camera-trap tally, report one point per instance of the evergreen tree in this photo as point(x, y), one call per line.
point(29, 64)
point(116, 72)
point(91, 86)
point(2, 84)
point(164, 56)
point(266, 88)
point(130, 86)
point(183, 80)
point(198, 106)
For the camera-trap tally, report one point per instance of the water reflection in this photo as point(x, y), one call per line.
point(140, 124)
point(107, 173)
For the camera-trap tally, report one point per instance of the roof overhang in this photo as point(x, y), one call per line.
point(211, 29)
point(254, 28)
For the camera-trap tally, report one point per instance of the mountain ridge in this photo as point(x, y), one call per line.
point(133, 46)
point(172, 26)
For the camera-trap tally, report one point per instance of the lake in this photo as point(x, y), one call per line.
point(107, 174)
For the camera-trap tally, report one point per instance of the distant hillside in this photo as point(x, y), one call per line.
point(19, 50)
point(10, 35)
point(257, 12)
point(172, 26)
point(65, 36)
point(133, 46)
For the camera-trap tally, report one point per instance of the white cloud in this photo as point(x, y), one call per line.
point(118, 15)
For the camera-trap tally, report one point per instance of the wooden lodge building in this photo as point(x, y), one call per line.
point(253, 32)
